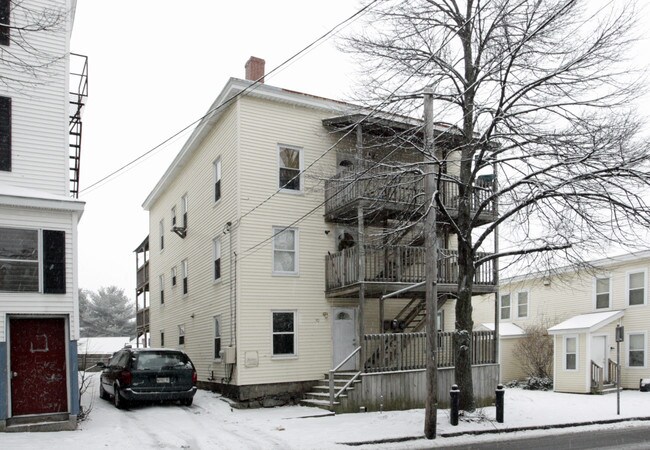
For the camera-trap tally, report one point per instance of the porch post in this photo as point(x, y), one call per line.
point(495, 268)
point(362, 286)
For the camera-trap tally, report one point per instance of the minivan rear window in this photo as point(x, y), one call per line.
point(162, 360)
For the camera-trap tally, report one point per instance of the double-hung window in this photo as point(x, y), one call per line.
point(161, 230)
point(162, 338)
point(32, 261)
point(173, 276)
point(636, 349)
point(161, 280)
point(217, 337)
point(284, 333)
point(173, 216)
point(217, 180)
point(216, 245)
point(5, 129)
point(505, 307)
point(636, 293)
point(184, 205)
point(602, 292)
point(570, 353)
point(181, 334)
point(285, 251)
point(522, 304)
point(184, 270)
point(290, 168)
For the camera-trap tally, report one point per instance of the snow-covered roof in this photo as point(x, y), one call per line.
point(101, 345)
point(25, 197)
point(506, 329)
point(586, 322)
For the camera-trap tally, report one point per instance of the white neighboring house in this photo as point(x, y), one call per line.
point(39, 155)
point(581, 310)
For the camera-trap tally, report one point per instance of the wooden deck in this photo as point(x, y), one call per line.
point(391, 268)
point(389, 192)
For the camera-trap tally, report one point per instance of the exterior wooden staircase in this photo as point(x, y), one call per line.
point(319, 396)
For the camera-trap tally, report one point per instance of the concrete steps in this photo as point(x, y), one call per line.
point(319, 396)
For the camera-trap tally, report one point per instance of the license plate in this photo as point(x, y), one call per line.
point(162, 380)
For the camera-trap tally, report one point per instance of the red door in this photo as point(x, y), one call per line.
point(38, 369)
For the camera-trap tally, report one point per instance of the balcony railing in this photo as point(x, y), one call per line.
point(383, 187)
point(407, 351)
point(397, 264)
point(142, 277)
point(142, 318)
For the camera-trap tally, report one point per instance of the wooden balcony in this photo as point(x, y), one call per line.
point(391, 268)
point(389, 193)
point(142, 277)
point(142, 319)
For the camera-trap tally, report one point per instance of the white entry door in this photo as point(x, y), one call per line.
point(599, 353)
point(344, 337)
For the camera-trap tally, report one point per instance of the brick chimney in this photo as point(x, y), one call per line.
point(255, 69)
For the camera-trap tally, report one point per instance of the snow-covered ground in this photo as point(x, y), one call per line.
point(212, 424)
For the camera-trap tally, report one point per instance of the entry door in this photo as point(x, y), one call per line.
point(344, 337)
point(38, 366)
point(599, 353)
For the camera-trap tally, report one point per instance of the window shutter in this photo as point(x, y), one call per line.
point(5, 133)
point(53, 262)
point(4, 19)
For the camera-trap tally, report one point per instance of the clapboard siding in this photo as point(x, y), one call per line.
point(39, 105)
point(206, 220)
point(264, 126)
point(572, 293)
point(33, 302)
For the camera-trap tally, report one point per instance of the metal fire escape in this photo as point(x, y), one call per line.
point(78, 96)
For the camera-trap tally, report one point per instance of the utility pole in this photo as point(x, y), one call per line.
point(431, 251)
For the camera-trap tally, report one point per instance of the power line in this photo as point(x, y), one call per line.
point(331, 32)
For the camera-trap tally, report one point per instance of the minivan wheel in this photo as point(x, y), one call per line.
point(119, 401)
point(102, 393)
point(187, 401)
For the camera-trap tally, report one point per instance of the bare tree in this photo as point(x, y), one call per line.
point(24, 29)
point(534, 351)
point(538, 93)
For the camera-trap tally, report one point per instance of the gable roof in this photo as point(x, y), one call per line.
point(506, 329)
point(586, 323)
point(231, 91)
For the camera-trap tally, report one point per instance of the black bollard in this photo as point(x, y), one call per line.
point(455, 401)
point(499, 392)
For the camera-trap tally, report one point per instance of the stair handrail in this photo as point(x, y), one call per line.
point(333, 395)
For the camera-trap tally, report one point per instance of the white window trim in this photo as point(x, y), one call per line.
point(501, 306)
point(216, 248)
point(595, 292)
point(293, 355)
point(161, 238)
point(217, 168)
point(577, 353)
point(181, 332)
point(276, 231)
point(527, 304)
point(645, 349)
point(174, 275)
point(161, 336)
point(173, 214)
point(301, 166)
point(217, 324)
point(184, 211)
point(627, 287)
point(161, 281)
point(185, 275)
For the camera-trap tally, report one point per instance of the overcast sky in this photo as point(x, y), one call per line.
point(155, 67)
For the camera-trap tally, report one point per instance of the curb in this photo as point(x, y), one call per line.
point(498, 431)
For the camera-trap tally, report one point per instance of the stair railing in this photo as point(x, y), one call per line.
point(596, 377)
point(612, 370)
point(335, 395)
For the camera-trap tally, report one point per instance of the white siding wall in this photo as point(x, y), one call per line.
point(39, 106)
point(206, 220)
point(34, 302)
point(264, 126)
